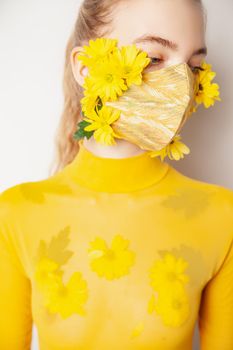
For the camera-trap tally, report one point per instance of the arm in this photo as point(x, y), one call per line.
point(216, 311)
point(15, 293)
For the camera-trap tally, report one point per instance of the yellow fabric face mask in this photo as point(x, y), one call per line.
point(148, 107)
point(155, 111)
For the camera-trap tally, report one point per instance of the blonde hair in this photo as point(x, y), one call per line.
point(93, 17)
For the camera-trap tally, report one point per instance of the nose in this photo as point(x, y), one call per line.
point(177, 60)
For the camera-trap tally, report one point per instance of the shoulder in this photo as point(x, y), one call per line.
point(222, 194)
point(26, 194)
point(211, 201)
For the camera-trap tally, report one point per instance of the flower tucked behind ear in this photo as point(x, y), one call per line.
point(96, 51)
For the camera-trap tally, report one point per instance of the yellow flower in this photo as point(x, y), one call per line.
point(58, 297)
point(168, 280)
point(131, 62)
point(175, 150)
point(173, 306)
point(46, 271)
point(168, 273)
point(101, 123)
point(107, 80)
point(162, 153)
point(91, 100)
point(70, 298)
point(96, 51)
point(89, 103)
point(111, 262)
point(207, 92)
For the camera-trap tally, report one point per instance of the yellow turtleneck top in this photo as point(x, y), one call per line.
point(122, 253)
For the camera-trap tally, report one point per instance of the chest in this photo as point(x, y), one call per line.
point(117, 278)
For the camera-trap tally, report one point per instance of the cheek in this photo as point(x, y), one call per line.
point(197, 61)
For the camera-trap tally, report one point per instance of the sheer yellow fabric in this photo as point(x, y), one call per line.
point(116, 254)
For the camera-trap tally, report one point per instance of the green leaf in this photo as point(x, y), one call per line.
point(81, 133)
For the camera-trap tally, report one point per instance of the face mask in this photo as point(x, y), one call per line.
point(126, 100)
point(155, 111)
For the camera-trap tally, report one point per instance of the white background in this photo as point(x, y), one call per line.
point(33, 36)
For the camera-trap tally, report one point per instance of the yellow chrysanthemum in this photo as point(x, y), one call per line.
point(89, 104)
point(91, 100)
point(106, 79)
point(46, 272)
point(101, 123)
point(168, 280)
point(168, 273)
point(70, 298)
point(111, 262)
point(132, 61)
point(173, 306)
point(175, 150)
point(161, 153)
point(96, 51)
point(207, 92)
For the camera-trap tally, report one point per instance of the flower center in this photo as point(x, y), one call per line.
point(200, 87)
point(171, 276)
point(109, 78)
point(62, 291)
point(110, 254)
point(176, 304)
point(127, 69)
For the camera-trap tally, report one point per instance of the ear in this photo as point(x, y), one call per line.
point(79, 70)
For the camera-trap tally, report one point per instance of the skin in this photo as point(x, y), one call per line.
point(179, 21)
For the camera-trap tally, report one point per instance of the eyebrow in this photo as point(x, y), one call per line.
point(166, 43)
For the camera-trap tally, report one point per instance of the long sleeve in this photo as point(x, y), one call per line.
point(216, 311)
point(15, 293)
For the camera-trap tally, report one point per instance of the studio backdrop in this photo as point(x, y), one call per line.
point(33, 36)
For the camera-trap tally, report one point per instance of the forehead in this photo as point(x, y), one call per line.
point(178, 20)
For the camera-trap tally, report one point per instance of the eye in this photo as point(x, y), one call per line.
point(155, 60)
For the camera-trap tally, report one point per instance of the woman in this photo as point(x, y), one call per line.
point(117, 249)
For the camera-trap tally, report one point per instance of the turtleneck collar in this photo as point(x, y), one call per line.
point(115, 174)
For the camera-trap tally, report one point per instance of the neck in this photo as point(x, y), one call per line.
point(122, 148)
point(120, 174)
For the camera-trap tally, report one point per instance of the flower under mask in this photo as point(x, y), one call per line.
point(125, 98)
